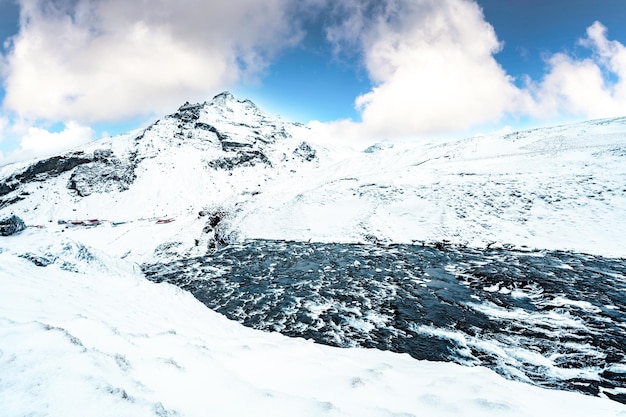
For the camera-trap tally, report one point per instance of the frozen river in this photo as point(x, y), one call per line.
point(555, 319)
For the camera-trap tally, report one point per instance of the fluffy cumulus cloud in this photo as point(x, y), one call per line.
point(591, 87)
point(434, 67)
point(98, 60)
point(73, 134)
point(39, 142)
point(432, 63)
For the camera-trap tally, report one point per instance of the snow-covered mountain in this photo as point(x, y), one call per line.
point(195, 166)
point(82, 332)
point(226, 171)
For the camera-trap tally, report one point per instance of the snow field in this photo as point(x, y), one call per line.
point(88, 336)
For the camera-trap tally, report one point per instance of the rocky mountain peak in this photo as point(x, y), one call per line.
point(224, 96)
point(223, 104)
point(226, 101)
point(216, 143)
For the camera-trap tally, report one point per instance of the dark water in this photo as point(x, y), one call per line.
point(555, 319)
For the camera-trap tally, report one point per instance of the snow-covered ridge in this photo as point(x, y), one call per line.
point(226, 171)
point(555, 188)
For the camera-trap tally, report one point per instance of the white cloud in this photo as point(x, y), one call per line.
point(41, 140)
point(433, 66)
point(592, 87)
point(433, 63)
point(4, 124)
point(95, 60)
point(38, 142)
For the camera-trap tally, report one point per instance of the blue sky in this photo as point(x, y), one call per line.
point(529, 29)
point(76, 70)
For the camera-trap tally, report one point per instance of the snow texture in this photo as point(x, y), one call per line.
point(561, 188)
point(87, 335)
point(555, 319)
point(83, 333)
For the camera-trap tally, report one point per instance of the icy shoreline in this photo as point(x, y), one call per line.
point(88, 336)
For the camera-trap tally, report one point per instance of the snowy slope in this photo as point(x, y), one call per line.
point(554, 188)
point(86, 335)
point(253, 175)
point(205, 157)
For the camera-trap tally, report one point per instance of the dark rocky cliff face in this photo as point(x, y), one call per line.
point(97, 172)
point(43, 170)
point(40, 171)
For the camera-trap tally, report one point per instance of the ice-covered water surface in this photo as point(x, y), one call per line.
point(556, 319)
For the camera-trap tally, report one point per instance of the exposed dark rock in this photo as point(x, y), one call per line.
point(43, 261)
point(8, 186)
point(206, 126)
point(280, 133)
point(102, 154)
point(188, 112)
point(220, 237)
point(242, 159)
point(229, 146)
point(107, 173)
point(7, 202)
point(223, 96)
point(217, 232)
point(215, 218)
point(168, 250)
point(43, 170)
point(191, 107)
point(11, 226)
point(266, 140)
point(56, 165)
point(371, 238)
point(305, 152)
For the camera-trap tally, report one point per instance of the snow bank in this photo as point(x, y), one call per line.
point(86, 335)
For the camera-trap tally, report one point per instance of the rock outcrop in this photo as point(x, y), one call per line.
point(11, 226)
point(43, 170)
point(106, 173)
